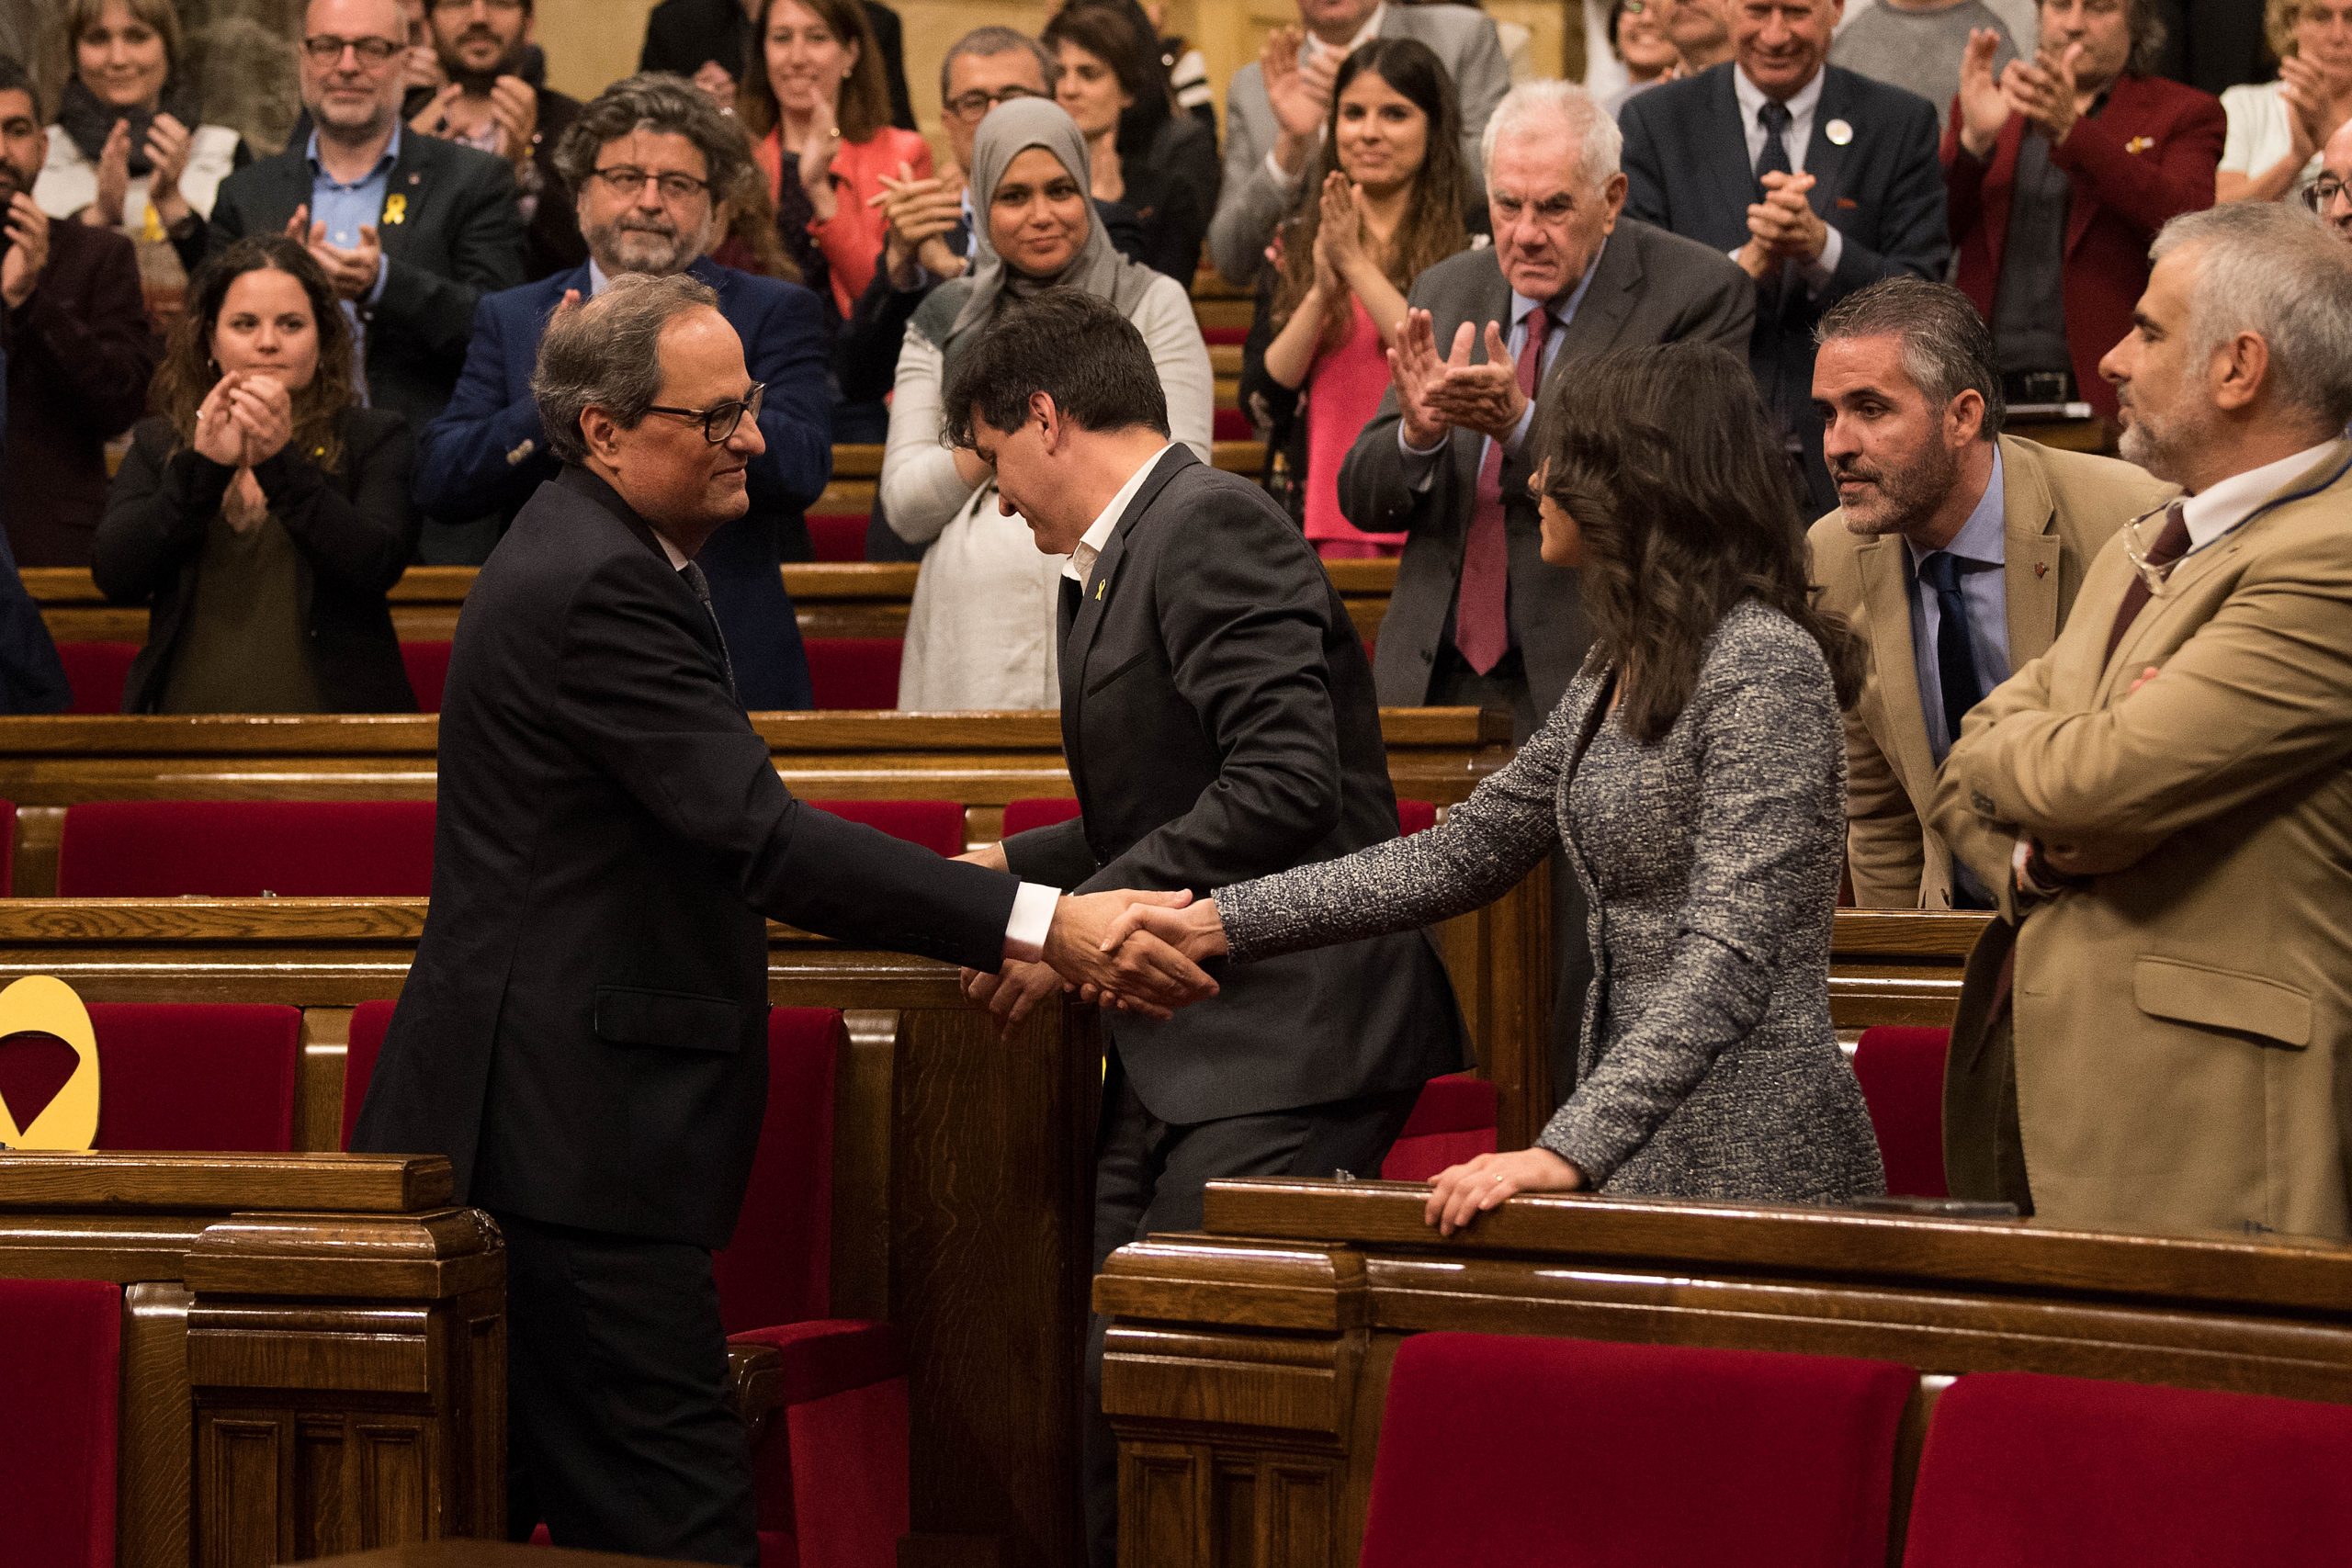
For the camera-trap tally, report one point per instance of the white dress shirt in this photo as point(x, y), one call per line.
point(2218, 508)
point(1801, 105)
point(1080, 568)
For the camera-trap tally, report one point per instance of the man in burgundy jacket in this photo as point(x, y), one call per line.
point(79, 346)
point(2058, 173)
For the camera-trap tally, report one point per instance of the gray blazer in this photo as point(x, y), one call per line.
point(1650, 288)
point(1250, 202)
point(1709, 864)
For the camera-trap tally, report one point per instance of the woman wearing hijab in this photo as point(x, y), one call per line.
point(981, 632)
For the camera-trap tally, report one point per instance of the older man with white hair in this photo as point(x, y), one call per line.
point(1478, 619)
point(2162, 798)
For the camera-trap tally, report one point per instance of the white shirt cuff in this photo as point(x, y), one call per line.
point(1819, 272)
point(1420, 463)
point(1519, 431)
point(1032, 917)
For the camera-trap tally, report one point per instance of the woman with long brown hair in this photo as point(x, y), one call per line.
point(1385, 203)
point(262, 514)
point(1695, 772)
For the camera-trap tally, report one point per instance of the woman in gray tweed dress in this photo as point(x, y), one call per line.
point(1695, 772)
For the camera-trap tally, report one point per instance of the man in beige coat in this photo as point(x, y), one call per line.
point(2163, 799)
point(1910, 396)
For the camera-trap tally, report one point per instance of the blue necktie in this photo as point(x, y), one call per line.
point(1774, 118)
point(1955, 652)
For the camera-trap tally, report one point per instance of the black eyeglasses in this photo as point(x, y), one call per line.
point(2320, 194)
point(973, 104)
point(720, 421)
point(324, 48)
point(627, 182)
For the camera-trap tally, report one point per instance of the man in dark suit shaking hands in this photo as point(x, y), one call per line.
point(1217, 715)
point(583, 1033)
point(1816, 180)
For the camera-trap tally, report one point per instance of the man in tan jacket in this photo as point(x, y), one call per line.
point(2163, 799)
point(1909, 391)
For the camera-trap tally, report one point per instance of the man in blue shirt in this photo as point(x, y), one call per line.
point(411, 231)
point(1957, 555)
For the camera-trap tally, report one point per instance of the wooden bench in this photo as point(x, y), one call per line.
point(313, 1348)
point(962, 1171)
point(830, 599)
point(1247, 1366)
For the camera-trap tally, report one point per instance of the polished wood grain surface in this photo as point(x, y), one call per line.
point(1248, 1363)
point(486, 1554)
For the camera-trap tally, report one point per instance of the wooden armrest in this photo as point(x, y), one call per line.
point(754, 1385)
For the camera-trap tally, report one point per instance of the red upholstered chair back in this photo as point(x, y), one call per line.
point(1021, 815)
point(1454, 1120)
point(1413, 816)
point(60, 1357)
point(428, 671)
point(1902, 1071)
point(363, 1045)
point(165, 849)
point(96, 673)
point(212, 1077)
point(838, 536)
point(2025, 1469)
point(854, 672)
point(936, 825)
point(1499, 1450)
point(778, 1269)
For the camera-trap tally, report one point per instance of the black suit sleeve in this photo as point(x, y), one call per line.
point(1912, 213)
point(641, 696)
point(1243, 633)
point(1057, 855)
point(157, 510)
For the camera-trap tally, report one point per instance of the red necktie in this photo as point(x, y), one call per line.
point(1481, 612)
point(2170, 546)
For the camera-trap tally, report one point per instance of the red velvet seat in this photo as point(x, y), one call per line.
point(216, 1078)
point(2027, 1471)
point(936, 825)
point(1414, 816)
point(1902, 1072)
point(61, 1358)
point(1232, 335)
point(96, 673)
point(1454, 1120)
point(1041, 811)
point(831, 1469)
point(428, 671)
point(1231, 424)
point(363, 1045)
point(855, 673)
point(1499, 1451)
point(838, 536)
point(165, 849)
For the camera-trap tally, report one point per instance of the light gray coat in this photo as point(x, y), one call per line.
point(1251, 201)
point(1709, 863)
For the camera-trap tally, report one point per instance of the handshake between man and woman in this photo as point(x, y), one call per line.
point(1134, 950)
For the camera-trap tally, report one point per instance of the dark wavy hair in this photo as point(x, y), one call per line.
point(188, 372)
point(1667, 462)
point(1117, 33)
point(1433, 227)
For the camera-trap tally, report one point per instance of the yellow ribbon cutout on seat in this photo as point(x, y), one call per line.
point(41, 1004)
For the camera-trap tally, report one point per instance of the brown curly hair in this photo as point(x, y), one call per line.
point(188, 372)
point(1667, 462)
point(1433, 227)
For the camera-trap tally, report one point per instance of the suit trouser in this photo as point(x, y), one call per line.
point(1150, 1176)
point(619, 1434)
point(1454, 683)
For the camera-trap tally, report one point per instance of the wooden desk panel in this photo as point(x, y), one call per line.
point(1248, 1365)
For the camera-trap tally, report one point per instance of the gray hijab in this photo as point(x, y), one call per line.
point(955, 308)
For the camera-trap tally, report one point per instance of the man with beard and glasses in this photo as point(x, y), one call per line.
point(2162, 800)
point(651, 160)
point(495, 103)
point(80, 350)
point(1958, 554)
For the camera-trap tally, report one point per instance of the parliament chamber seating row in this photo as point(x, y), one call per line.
point(1703, 1456)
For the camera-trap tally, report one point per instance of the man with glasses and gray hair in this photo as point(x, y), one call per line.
point(2330, 196)
point(585, 1031)
point(2161, 802)
point(412, 230)
point(651, 162)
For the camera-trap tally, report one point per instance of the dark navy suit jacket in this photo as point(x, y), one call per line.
point(31, 678)
point(488, 453)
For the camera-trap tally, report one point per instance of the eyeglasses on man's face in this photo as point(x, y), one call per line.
point(627, 182)
point(2320, 194)
point(325, 48)
point(974, 105)
point(720, 421)
point(452, 7)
